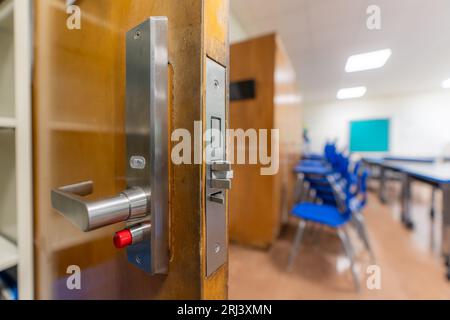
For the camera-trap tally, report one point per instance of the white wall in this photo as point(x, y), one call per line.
point(420, 123)
point(237, 31)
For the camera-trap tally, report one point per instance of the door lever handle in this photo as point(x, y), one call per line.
point(93, 214)
point(144, 205)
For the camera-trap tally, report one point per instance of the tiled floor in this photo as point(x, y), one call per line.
point(410, 268)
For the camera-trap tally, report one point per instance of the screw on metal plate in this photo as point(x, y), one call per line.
point(216, 84)
point(137, 162)
point(217, 248)
point(138, 260)
point(137, 34)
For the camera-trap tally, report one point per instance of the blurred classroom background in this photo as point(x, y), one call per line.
point(360, 93)
point(360, 208)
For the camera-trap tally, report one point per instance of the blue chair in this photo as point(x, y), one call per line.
point(350, 200)
point(358, 218)
point(317, 159)
point(322, 187)
point(312, 175)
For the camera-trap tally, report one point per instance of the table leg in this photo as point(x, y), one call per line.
point(432, 216)
point(381, 191)
point(406, 202)
point(446, 226)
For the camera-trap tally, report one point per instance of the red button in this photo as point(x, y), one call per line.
point(122, 238)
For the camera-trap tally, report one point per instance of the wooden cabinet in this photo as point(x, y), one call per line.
point(259, 203)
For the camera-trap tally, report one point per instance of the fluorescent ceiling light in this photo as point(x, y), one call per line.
point(368, 61)
point(349, 93)
point(446, 84)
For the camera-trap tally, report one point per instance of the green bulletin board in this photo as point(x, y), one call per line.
point(369, 135)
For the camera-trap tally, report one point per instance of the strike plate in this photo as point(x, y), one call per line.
point(216, 224)
point(147, 137)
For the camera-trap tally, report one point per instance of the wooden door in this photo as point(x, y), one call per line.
point(78, 120)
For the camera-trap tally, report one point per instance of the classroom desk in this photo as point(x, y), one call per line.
point(313, 170)
point(313, 156)
point(392, 163)
point(437, 175)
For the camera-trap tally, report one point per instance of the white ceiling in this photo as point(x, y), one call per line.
point(320, 35)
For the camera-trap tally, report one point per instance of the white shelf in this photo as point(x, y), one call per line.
point(8, 254)
point(16, 212)
point(22, 31)
point(7, 122)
